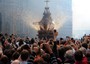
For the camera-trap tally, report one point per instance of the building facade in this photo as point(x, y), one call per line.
point(0, 22)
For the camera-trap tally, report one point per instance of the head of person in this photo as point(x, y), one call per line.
point(83, 50)
point(15, 55)
point(24, 55)
point(69, 54)
point(85, 45)
point(78, 55)
point(4, 59)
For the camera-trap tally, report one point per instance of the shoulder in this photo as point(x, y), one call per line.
point(85, 60)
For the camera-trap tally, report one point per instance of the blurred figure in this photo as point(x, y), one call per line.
point(16, 62)
point(79, 58)
point(55, 34)
point(69, 57)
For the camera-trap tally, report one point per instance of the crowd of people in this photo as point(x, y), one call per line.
point(16, 50)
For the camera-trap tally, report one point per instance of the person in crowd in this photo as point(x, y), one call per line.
point(69, 58)
point(80, 58)
point(24, 57)
point(16, 50)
